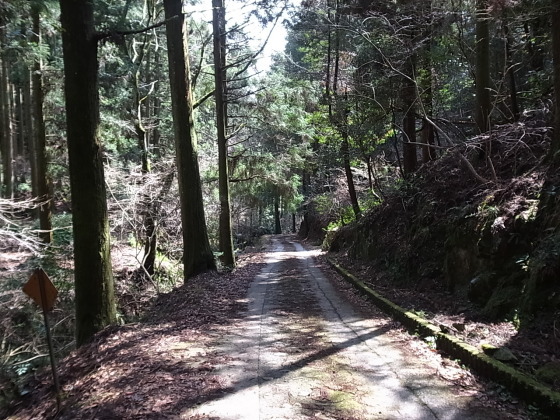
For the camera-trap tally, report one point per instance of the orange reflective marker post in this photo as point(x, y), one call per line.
point(40, 288)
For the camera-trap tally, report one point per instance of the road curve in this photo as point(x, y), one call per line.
point(303, 352)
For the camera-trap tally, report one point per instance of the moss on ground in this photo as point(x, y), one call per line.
point(522, 385)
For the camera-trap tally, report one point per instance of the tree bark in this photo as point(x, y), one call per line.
point(410, 159)
point(340, 118)
point(345, 149)
point(408, 95)
point(428, 132)
point(5, 131)
point(220, 81)
point(197, 254)
point(18, 127)
point(30, 133)
point(511, 72)
point(483, 104)
point(13, 130)
point(40, 145)
point(277, 223)
point(95, 302)
point(555, 146)
point(142, 103)
point(156, 102)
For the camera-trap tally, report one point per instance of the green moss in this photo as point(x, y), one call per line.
point(488, 348)
point(344, 401)
point(519, 383)
point(549, 373)
point(502, 303)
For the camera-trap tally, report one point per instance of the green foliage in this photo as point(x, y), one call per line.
point(345, 216)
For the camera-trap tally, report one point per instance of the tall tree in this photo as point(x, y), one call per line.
point(220, 81)
point(408, 93)
point(426, 84)
point(555, 147)
point(39, 139)
point(483, 101)
point(340, 115)
point(197, 254)
point(95, 302)
point(6, 140)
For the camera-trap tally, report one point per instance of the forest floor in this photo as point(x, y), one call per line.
point(196, 346)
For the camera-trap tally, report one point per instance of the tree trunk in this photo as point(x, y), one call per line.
point(42, 178)
point(156, 104)
point(18, 128)
point(30, 134)
point(340, 119)
point(511, 72)
point(197, 254)
point(483, 104)
point(95, 302)
point(5, 131)
point(150, 239)
point(428, 132)
point(277, 224)
point(219, 29)
point(345, 149)
point(408, 95)
point(13, 129)
point(555, 146)
point(409, 129)
point(140, 103)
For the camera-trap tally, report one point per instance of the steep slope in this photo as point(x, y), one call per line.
point(472, 238)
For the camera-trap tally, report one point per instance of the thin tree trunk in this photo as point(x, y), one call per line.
point(277, 224)
point(197, 254)
point(150, 240)
point(156, 102)
point(428, 132)
point(42, 178)
point(340, 119)
point(329, 59)
point(140, 103)
point(30, 134)
point(349, 177)
point(13, 129)
point(367, 159)
point(483, 104)
point(18, 129)
point(511, 73)
point(555, 146)
point(409, 126)
point(219, 29)
point(408, 95)
point(95, 301)
point(6, 132)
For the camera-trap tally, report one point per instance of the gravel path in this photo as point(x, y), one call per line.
point(303, 352)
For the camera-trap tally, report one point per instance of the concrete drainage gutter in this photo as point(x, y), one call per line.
point(520, 384)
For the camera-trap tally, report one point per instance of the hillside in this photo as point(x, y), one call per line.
point(481, 258)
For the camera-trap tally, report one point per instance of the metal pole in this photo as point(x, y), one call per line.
point(49, 339)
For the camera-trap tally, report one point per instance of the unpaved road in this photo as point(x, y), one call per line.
point(303, 352)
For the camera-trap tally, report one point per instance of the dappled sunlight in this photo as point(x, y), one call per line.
point(319, 357)
point(291, 348)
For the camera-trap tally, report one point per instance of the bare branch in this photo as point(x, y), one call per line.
point(115, 34)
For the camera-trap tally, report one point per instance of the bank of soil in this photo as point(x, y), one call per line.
point(479, 258)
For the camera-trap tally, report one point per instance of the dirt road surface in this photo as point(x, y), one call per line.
point(304, 352)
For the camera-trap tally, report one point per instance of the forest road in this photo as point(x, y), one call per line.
point(302, 351)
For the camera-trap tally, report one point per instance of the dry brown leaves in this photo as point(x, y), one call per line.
point(152, 369)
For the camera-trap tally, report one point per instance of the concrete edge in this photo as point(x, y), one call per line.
point(517, 382)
